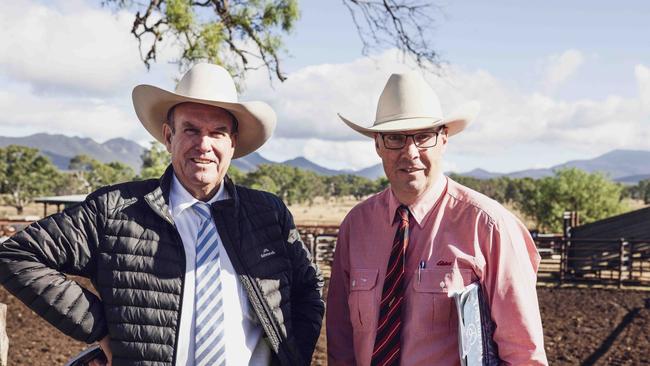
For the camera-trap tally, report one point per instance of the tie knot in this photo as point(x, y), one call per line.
point(403, 213)
point(203, 209)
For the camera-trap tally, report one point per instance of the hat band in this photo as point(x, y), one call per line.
point(398, 117)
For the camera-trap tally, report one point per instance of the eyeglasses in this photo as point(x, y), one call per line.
point(396, 141)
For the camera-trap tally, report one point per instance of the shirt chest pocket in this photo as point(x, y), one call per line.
point(431, 308)
point(362, 299)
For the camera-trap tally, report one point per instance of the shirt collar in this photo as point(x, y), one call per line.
point(180, 198)
point(423, 205)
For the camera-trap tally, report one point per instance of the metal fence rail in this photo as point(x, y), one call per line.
point(619, 262)
point(606, 261)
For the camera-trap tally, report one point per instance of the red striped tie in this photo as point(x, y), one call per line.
point(389, 330)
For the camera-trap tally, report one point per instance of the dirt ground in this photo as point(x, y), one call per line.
point(596, 326)
point(581, 327)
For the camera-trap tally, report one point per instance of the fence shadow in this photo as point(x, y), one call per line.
point(609, 341)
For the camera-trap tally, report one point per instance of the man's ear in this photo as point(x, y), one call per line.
point(233, 139)
point(167, 135)
point(446, 134)
point(443, 138)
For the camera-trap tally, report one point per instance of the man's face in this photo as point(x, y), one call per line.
point(412, 170)
point(202, 143)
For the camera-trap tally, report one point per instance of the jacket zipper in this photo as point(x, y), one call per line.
point(266, 309)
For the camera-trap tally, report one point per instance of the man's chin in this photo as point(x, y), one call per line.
point(206, 177)
point(411, 185)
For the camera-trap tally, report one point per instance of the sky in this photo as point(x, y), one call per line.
point(556, 80)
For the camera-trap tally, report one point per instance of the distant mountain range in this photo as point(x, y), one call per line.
point(60, 149)
point(626, 166)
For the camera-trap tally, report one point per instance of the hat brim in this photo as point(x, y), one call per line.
point(256, 120)
point(455, 123)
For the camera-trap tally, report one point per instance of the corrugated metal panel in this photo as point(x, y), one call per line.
point(633, 225)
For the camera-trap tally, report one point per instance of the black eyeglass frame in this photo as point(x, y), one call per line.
point(412, 136)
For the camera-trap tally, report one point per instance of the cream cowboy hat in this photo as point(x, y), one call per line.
point(408, 103)
point(212, 85)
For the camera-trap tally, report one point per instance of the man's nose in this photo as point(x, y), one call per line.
point(410, 149)
point(204, 144)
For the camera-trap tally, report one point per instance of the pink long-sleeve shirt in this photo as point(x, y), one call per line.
point(461, 236)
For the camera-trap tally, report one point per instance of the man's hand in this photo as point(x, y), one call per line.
point(104, 344)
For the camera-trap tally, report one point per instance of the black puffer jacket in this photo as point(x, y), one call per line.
point(123, 238)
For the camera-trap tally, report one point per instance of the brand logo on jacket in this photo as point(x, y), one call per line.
point(266, 252)
point(443, 263)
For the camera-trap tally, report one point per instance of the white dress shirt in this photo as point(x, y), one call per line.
point(243, 333)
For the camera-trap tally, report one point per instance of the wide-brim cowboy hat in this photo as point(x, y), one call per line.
point(212, 85)
point(408, 103)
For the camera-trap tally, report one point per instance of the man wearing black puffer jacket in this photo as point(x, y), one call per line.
point(190, 269)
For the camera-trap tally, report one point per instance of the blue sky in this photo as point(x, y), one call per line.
point(557, 80)
point(507, 38)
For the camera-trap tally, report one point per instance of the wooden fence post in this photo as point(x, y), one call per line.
point(621, 261)
point(4, 340)
point(630, 261)
point(568, 222)
point(562, 259)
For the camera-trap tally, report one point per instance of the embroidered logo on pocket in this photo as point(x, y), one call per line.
point(266, 252)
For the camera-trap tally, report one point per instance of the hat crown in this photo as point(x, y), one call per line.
point(407, 95)
point(208, 81)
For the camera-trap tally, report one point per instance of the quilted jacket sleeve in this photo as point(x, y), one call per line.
point(33, 263)
point(307, 306)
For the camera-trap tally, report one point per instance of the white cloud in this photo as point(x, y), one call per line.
point(642, 74)
point(561, 67)
point(98, 118)
point(510, 120)
point(67, 47)
point(308, 102)
point(68, 67)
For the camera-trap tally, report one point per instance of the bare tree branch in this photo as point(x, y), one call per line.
point(244, 35)
point(241, 35)
point(402, 24)
point(140, 29)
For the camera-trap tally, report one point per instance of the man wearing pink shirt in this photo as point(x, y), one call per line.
point(401, 252)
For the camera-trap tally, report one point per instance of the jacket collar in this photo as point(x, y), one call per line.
point(233, 197)
point(165, 182)
point(158, 199)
